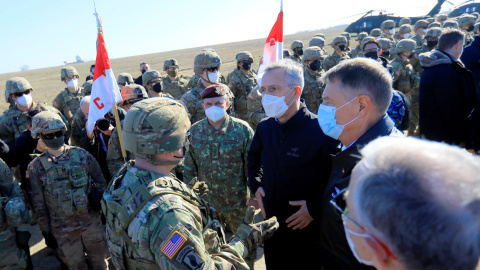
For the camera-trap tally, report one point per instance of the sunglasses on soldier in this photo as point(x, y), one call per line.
point(212, 69)
point(51, 136)
point(26, 92)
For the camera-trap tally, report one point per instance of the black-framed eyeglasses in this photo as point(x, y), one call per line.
point(26, 92)
point(249, 61)
point(212, 69)
point(53, 135)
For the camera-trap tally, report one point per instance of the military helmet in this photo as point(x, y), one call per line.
point(441, 17)
point(404, 21)
point(16, 85)
point(155, 126)
point(434, 32)
point(466, 20)
point(406, 28)
point(475, 14)
point(347, 35)
point(430, 20)
point(370, 39)
point(296, 44)
point(206, 59)
point(420, 24)
point(450, 24)
point(312, 52)
point(87, 88)
point(286, 53)
point(170, 62)
point(46, 121)
point(68, 71)
point(149, 75)
point(387, 24)
point(320, 35)
point(434, 24)
point(406, 45)
point(243, 55)
point(133, 91)
point(362, 35)
point(385, 42)
point(317, 41)
point(125, 78)
point(375, 32)
point(339, 39)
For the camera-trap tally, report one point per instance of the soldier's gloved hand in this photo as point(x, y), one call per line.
point(201, 188)
point(252, 235)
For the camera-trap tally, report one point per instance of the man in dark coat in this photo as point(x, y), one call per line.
point(471, 59)
point(288, 167)
point(354, 111)
point(144, 67)
point(447, 92)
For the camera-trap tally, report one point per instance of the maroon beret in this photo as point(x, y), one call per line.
point(214, 90)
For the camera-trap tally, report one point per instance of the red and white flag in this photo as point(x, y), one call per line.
point(273, 50)
point(105, 91)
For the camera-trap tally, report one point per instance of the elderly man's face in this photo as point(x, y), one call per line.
point(334, 96)
point(274, 83)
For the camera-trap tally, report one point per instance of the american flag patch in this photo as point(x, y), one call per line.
point(174, 243)
point(251, 96)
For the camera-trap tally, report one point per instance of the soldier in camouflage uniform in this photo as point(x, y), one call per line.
point(61, 181)
point(155, 221)
point(466, 24)
point(242, 83)
point(123, 79)
point(420, 29)
point(152, 81)
point(348, 50)
point(68, 101)
point(255, 108)
point(441, 18)
point(287, 54)
point(313, 90)
point(297, 48)
point(376, 33)
point(450, 24)
point(405, 31)
point(13, 214)
point(388, 29)
point(431, 42)
point(15, 120)
point(206, 65)
point(358, 50)
point(173, 84)
point(406, 80)
point(319, 42)
point(388, 51)
point(339, 45)
point(79, 121)
point(403, 21)
point(434, 24)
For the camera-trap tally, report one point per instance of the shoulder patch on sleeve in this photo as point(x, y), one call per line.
point(397, 72)
point(251, 96)
point(55, 103)
point(183, 101)
point(173, 244)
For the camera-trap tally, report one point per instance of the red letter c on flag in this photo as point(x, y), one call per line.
point(96, 103)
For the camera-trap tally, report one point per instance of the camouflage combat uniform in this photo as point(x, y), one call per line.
point(68, 103)
point(241, 84)
point(296, 58)
point(231, 74)
point(333, 60)
point(193, 81)
point(12, 202)
point(219, 158)
point(419, 40)
point(415, 62)
point(60, 188)
point(356, 51)
point(313, 89)
point(176, 88)
point(115, 159)
point(78, 123)
point(255, 108)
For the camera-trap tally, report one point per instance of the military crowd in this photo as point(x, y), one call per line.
point(174, 182)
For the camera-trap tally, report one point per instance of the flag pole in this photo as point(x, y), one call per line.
point(120, 135)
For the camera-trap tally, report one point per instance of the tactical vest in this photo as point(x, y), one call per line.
point(67, 185)
point(246, 84)
point(134, 197)
point(71, 103)
point(404, 83)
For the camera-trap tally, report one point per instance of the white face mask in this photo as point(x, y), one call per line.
point(275, 106)
point(73, 83)
point(25, 100)
point(392, 31)
point(352, 245)
point(406, 35)
point(213, 77)
point(215, 113)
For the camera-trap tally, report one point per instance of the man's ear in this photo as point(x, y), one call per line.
point(379, 256)
point(29, 127)
point(365, 104)
point(298, 90)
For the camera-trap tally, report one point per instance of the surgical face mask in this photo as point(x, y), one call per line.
point(315, 65)
point(172, 73)
point(470, 28)
point(300, 51)
point(73, 83)
point(328, 122)
point(25, 100)
point(406, 35)
point(213, 77)
point(143, 71)
point(157, 88)
point(432, 43)
point(352, 245)
point(391, 31)
point(215, 113)
point(247, 66)
point(342, 47)
point(372, 55)
point(275, 106)
point(54, 143)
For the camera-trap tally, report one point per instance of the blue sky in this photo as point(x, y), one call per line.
point(46, 33)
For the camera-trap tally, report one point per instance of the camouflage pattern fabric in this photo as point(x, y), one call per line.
point(313, 89)
point(175, 214)
point(333, 60)
point(193, 81)
point(357, 50)
point(219, 158)
point(175, 88)
point(255, 108)
point(296, 58)
point(12, 257)
point(415, 62)
point(403, 75)
point(241, 84)
point(469, 38)
point(78, 123)
point(115, 159)
point(231, 74)
point(68, 103)
point(419, 40)
point(59, 192)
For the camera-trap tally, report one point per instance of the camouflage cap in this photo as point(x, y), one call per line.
point(376, 32)
point(420, 24)
point(430, 20)
point(441, 17)
point(450, 24)
point(387, 24)
point(155, 126)
point(317, 41)
point(67, 72)
point(16, 85)
point(406, 45)
point(466, 20)
point(206, 59)
point(370, 39)
point(16, 212)
point(133, 91)
point(339, 39)
point(434, 24)
point(243, 55)
point(312, 53)
point(125, 78)
point(170, 62)
point(149, 75)
point(346, 34)
point(404, 21)
point(296, 44)
point(286, 53)
point(406, 28)
point(434, 32)
point(385, 43)
point(321, 35)
point(361, 36)
point(87, 88)
point(46, 121)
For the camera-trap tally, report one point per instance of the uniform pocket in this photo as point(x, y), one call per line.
point(64, 199)
point(80, 198)
point(78, 176)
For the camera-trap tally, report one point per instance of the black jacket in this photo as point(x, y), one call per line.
point(447, 97)
point(336, 252)
point(471, 59)
point(138, 80)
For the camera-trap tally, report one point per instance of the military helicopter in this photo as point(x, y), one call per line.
point(465, 7)
point(370, 21)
